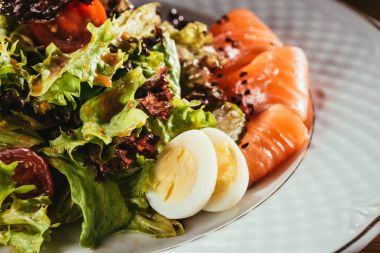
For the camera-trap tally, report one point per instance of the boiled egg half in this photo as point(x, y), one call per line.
point(198, 170)
point(184, 176)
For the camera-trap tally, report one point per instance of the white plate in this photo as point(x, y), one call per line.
point(335, 194)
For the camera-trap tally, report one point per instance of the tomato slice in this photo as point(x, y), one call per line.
point(69, 30)
point(31, 170)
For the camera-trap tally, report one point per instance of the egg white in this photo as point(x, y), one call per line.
point(200, 146)
point(236, 189)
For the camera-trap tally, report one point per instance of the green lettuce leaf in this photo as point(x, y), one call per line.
point(135, 186)
point(138, 23)
point(7, 184)
point(64, 91)
point(145, 220)
point(160, 56)
point(121, 124)
point(231, 120)
point(11, 139)
point(3, 26)
point(24, 223)
point(86, 64)
point(103, 207)
point(150, 63)
point(154, 224)
point(183, 118)
point(64, 210)
point(11, 70)
point(89, 64)
point(172, 60)
point(194, 35)
point(69, 142)
point(194, 47)
point(104, 119)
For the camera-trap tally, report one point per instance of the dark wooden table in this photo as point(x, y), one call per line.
point(372, 9)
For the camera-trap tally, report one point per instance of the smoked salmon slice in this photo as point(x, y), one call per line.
point(277, 76)
point(241, 35)
point(271, 138)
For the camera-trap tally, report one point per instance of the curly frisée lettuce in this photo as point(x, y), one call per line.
point(87, 64)
point(184, 117)
point(63, 91)
point(91, 64)
point(24, 223)
point(11, 69)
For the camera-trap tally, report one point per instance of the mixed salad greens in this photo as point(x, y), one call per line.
point(81, 126)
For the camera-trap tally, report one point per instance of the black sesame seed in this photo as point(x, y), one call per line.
point(247, 92)
point(243, 74)
point(219, 75)
point(245, 145)
point(221, 49)
point(214, 84)
point(229, 40)
point(244, 82)
point(213, 69)
point(236, 99)
point(219, 22)
point(225, 17)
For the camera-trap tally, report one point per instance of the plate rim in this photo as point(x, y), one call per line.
point(376, 221)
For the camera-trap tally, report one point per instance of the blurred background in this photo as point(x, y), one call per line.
point(371, 9)
point(368, 7)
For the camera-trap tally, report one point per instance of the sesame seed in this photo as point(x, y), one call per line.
point(213, 69)
point(174, 11)
point(219, 75)
point(247, 92)
point(243, 74)
point(225, 17)
point(244, 82)
point(229, 40)
point(245, 145)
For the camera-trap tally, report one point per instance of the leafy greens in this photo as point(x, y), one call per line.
point(24, 223)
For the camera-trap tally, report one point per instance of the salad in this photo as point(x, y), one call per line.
point(124, 121)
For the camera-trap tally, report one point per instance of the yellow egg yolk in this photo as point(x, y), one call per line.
point(227, 167)
point(175, 174)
